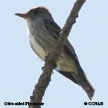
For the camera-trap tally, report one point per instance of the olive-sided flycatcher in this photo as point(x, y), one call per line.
point(43, 33)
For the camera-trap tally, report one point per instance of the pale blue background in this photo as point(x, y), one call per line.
point(20, 68)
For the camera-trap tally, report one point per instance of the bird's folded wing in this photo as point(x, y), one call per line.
point(54, 30)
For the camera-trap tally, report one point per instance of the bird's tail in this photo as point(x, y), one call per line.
point(84, 83)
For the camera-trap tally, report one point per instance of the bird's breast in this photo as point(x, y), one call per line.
point(37, 48)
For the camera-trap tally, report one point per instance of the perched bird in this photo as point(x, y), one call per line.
point(43, 33)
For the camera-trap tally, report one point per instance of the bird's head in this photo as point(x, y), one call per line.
point(35, 13)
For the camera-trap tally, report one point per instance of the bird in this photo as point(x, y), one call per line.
point(43, 33)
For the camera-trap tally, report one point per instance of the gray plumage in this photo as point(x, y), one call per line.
point(43, 34)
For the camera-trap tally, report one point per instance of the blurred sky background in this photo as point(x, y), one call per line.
point(20, 68)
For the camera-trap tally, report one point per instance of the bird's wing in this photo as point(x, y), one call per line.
point(78, 77)
point(54, 30)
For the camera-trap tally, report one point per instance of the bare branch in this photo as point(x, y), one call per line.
point(51, 60)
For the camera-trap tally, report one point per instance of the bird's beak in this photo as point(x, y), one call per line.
point(21, 15)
